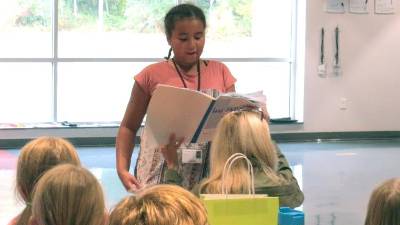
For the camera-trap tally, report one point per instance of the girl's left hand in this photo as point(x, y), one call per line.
point(169, 151)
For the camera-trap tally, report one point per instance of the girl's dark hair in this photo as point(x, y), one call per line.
point(179, 12)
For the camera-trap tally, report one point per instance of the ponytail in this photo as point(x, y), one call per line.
point(25, 216)
point(169, 54)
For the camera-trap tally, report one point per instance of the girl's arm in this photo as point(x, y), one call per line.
point(125, 140)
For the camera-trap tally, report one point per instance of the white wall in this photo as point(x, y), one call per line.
point(370, 81)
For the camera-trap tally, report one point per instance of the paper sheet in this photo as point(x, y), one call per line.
point(358, 6)
point(384, 6)
point(335, 6)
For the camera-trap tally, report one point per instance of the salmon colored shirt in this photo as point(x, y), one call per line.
point(14, 220)
point(215, 78)
point(214, 75)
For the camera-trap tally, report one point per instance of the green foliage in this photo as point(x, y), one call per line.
point(140, 16)
point(204, 5)
point(85, 17)
point(116, 7)
point(113, 22)
point(35, 13)
point(81, 21)
point(239, 12)
point(147, 16)
point(242, 13)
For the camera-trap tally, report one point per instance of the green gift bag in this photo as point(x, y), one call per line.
point(240, 209)
point(250, 210)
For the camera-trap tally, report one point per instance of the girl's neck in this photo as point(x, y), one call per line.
point(187, 69)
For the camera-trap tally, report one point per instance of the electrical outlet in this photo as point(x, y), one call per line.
point(322, 70)
point(343, 103)
point(337, 70)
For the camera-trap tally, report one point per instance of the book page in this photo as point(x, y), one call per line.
point(228, 103)
point(258, 97)
point(175, 110)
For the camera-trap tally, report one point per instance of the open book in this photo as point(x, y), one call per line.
point(192, 114)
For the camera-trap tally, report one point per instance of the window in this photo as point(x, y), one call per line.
point(80, 67)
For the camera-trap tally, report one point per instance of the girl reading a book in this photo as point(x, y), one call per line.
point(245, 132)
point(185, 26)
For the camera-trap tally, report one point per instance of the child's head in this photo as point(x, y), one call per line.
point(185, 26)
point(240, 132)
point(384, 204)
point(39, 155)
point(70, 195)
point(160, 205)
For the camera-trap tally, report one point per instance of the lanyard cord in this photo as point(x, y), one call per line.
point(180, 74)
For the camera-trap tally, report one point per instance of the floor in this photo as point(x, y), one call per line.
point(336, 177)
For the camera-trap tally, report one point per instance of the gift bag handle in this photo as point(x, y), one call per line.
point(227, 167)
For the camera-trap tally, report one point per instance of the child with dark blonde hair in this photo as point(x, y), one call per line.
point(384, 204)
point(68, 195)
point(160, 205)
point(36, 157)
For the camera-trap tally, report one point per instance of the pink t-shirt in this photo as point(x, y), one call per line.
point(215, 75)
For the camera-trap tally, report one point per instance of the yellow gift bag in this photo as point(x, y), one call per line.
point(240, 209)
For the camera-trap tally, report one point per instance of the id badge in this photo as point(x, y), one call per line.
point(192, 156)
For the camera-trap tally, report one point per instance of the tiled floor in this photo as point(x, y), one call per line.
point(336, 177)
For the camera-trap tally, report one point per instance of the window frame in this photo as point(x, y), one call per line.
point(55, 60)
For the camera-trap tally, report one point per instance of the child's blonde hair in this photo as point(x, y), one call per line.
point(36, 157)
point(240, 132)
point(160, 205)
point(384, 204)
point(68, 195)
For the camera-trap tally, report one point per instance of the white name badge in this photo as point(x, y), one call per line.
point(192, 156)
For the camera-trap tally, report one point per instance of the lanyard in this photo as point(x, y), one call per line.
point(180, 74)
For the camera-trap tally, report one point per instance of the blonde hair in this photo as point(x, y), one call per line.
point(160, 205)
point(68, 195)
point(240, 132)
point(36, 157)
point(384, 204)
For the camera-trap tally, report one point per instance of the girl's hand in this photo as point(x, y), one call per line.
point(129, 181)
point(169, 151)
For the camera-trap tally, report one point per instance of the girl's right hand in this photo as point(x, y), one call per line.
point(129, 181)
point(169, 151)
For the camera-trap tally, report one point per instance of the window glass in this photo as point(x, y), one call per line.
point(26, 92)
point(242, 28)
point(95, 91)
point(270, 77)
point(118, 29)
point(25, 28)
point(249, 28)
